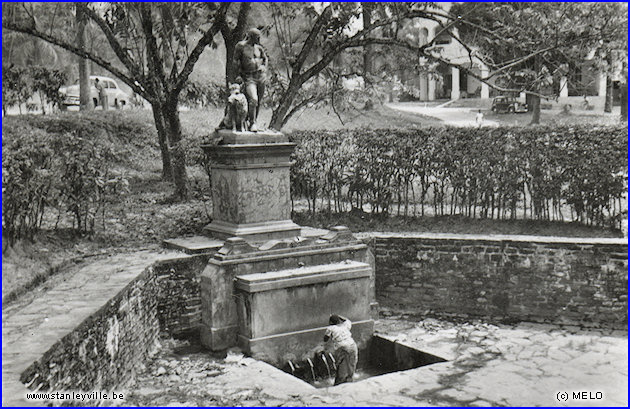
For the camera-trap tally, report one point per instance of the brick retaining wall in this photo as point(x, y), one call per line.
point(179, 294)
point(529, 278)
point(103, 352)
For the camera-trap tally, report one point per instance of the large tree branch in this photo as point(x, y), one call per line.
point(422, 50)
point(136, 86)
point(168, 28)
point(201, 45)
point(321, 21)
point(296, 108)
point(361, 39)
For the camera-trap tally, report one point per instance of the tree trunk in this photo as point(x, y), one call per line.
point(368, 53)
point(85, 100)
point(535, 99)
point(230, 69)
point(608, 102)
point(160, 125)
point(279, 116)
point(368, 50)
point(42, 103)
point(177, 152)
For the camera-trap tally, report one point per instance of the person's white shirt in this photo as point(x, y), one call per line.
point(479, 118)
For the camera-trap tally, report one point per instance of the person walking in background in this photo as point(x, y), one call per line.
point(339, 338)
point(102, 95)
point(479, 119)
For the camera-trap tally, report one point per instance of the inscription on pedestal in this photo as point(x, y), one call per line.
point(245, 196)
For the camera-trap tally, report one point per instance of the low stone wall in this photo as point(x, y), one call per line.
point(103, 352)
point(528, 278)
point(497, 278)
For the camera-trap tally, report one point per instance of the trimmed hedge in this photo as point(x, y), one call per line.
point(545, 173)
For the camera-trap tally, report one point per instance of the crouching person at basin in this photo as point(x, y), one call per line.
point(339, 338)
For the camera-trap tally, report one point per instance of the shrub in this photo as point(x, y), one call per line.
point(67, 171)
point(538, 172)
point(85, 179)
point(28, 183)
point(46, 82)
point(19, 84)
point(17, 87)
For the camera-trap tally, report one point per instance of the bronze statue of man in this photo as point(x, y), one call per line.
point(250, 59)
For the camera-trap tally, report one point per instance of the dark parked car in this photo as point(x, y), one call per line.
point(508, 104)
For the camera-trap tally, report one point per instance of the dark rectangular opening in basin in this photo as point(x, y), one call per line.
point(379, 357)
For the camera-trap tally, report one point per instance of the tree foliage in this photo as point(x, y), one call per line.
point(529, 46)
point(156, 46)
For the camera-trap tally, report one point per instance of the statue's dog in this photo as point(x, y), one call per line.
point(237, 109)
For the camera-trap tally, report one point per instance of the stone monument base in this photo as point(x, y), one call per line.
point(250, 186)
point(238, 257)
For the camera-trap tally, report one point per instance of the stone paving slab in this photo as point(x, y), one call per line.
point(32, 328)
point(193, 244)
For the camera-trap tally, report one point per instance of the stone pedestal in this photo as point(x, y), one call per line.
point(250, 186)
point(283, 314)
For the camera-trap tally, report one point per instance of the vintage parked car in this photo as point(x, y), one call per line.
point(508, 104)
point(116, 97)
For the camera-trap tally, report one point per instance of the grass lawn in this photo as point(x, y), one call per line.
point(201, 122)
point(145, 216)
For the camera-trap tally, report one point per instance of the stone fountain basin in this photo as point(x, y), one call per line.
point(282, 314)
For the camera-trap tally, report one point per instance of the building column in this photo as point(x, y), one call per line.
point(564, 87)
point(454, 83)
point(485, 89)
point(424, 87)
point(431, 84)
point(602, 84)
